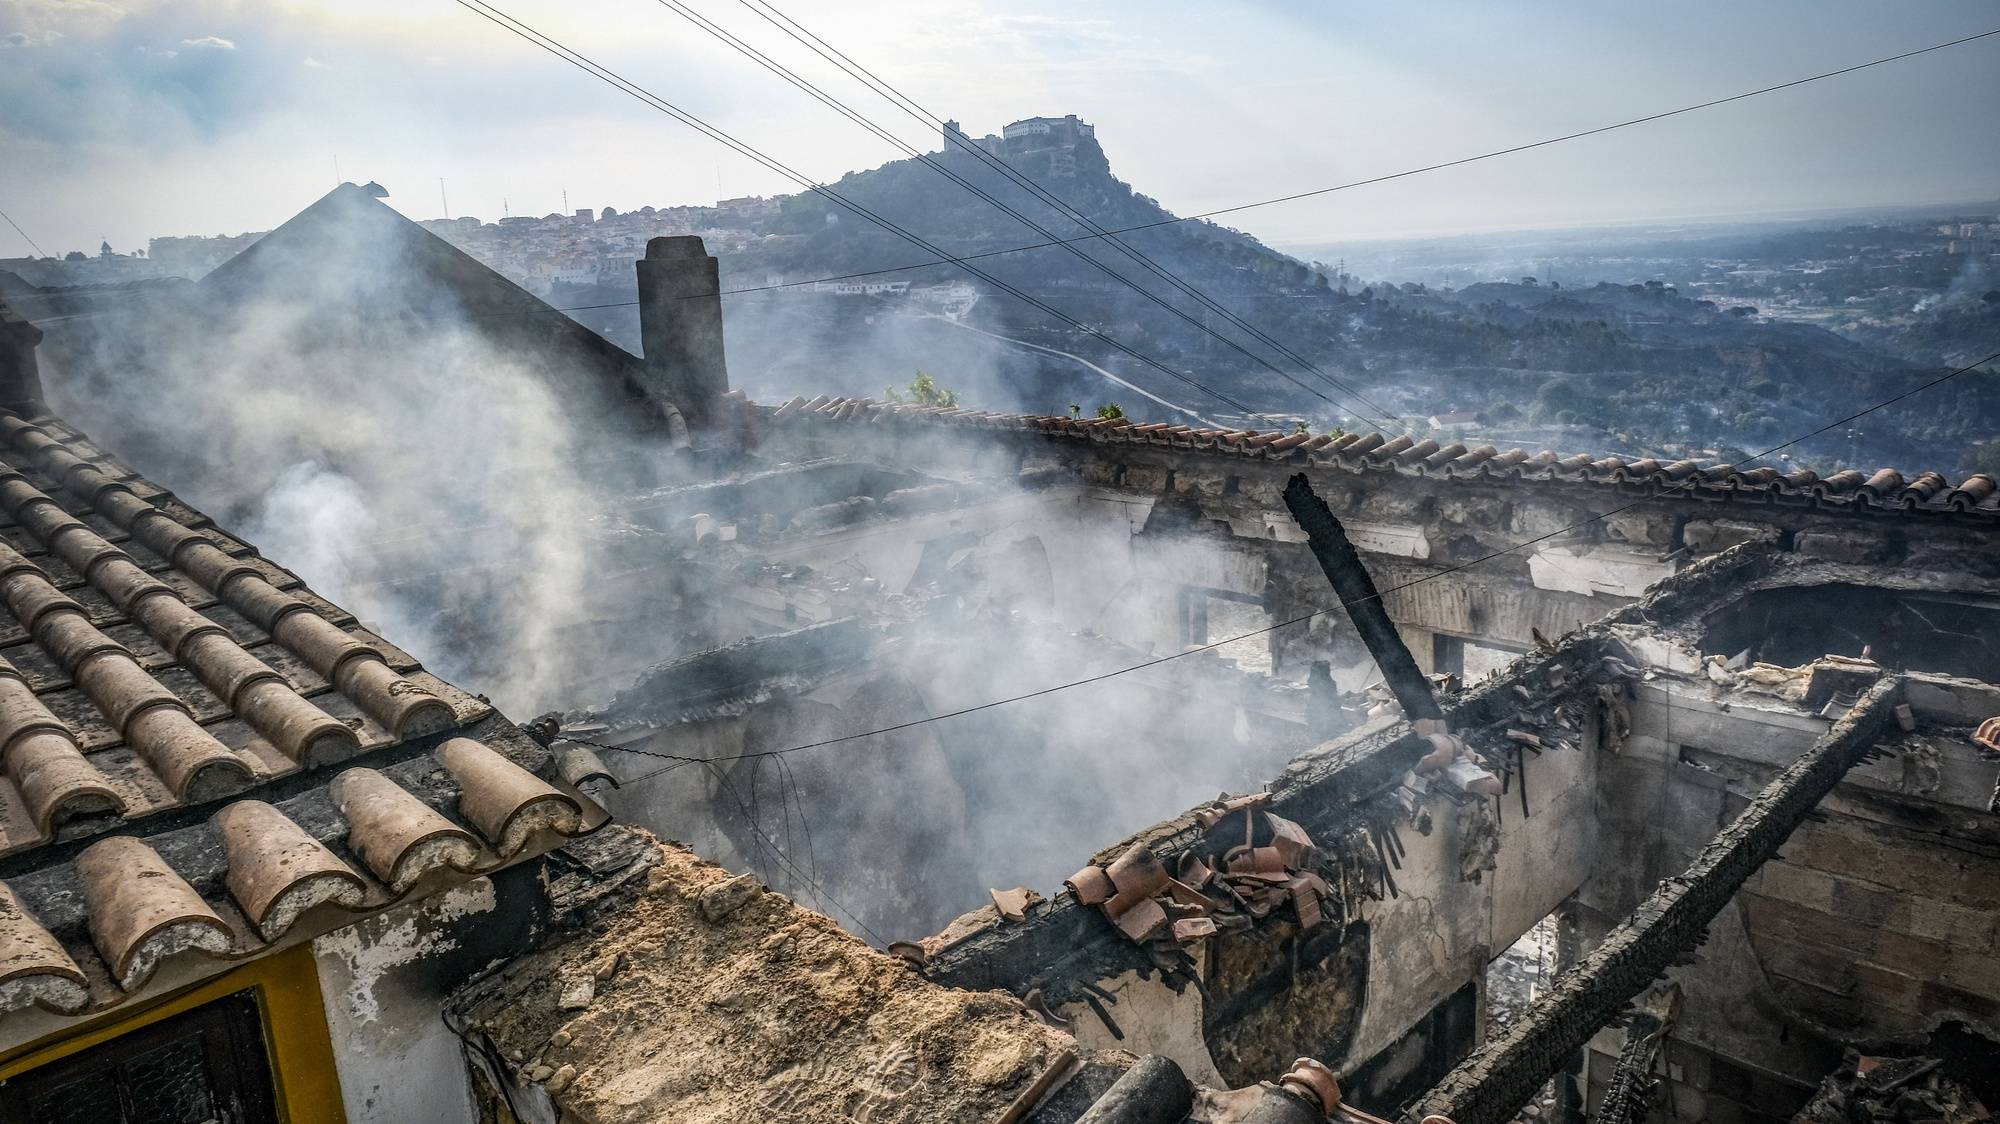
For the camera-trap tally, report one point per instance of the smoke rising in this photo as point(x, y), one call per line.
point(486, 504)
point(362, 426)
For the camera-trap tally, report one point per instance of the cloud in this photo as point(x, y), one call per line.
point(210, 43)
point(311, 63)
point(40, 15)
point(27, 39)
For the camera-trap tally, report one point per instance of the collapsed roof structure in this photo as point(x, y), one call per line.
point(1724, 732)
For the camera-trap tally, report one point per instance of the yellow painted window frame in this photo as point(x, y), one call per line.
point(296, 1040)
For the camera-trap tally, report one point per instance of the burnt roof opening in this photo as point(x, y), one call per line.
point(1945, 633)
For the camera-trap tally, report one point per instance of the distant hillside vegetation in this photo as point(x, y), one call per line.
point(1593, 367)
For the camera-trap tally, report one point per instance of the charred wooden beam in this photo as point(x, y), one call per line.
point(1493, 1084)
point(1628, 1096)
point(1358, 595)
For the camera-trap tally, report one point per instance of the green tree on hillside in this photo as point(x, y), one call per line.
point(923, 391)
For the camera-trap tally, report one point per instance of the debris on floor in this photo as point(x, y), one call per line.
point(1912, 1090)
point(1253, 864)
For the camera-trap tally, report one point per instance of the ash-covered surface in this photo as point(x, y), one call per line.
point(1915, 1089)
point(709, 999)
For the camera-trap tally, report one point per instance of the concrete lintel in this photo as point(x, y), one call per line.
point(1597, 570)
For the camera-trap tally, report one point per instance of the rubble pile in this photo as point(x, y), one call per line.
point(1253, 864)
point(1911, 1090)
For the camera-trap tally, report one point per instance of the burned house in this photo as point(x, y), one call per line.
point(1717, 738)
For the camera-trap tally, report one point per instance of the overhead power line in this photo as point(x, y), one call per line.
point(24, 234)
point(752, 53)
point(1212, 645)
point(847, 66)
point(517, 27)
point(1351, 184)
point(908, 105)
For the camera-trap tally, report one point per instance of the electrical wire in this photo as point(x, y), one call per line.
point(524, 31)
point(24, 234)
point(909, 105)
point(737, 44)
point(819, 890)
point(722, 781)
point(1212, 645)
point(960, 260)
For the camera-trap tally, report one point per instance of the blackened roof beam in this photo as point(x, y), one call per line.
point(1357, 593)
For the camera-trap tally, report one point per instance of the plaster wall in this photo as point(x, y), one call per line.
point(384, 982)
point(1443, 930)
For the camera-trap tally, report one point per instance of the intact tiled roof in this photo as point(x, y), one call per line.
point(1882, 490)
point(178, 718)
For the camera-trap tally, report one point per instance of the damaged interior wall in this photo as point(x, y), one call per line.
point(1465, 879)
point(1874, 929)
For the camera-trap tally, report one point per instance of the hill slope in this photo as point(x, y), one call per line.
point(1637, 368)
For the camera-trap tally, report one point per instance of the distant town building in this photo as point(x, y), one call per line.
point(749, 206)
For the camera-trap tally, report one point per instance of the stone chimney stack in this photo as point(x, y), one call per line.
point(20, 377)
point(680, 327)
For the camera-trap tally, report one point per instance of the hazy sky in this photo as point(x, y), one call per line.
point(124, 119)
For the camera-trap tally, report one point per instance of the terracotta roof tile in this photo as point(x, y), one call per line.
point(400, 837)
point(43, 761)
point(142, 910)
point(277, 871)
point(129, 903)
point(149, 661)
point(1974, 491)
point(34, 968)
point(504, 801)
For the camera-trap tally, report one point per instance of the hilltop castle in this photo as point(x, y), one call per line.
point(1058, 135)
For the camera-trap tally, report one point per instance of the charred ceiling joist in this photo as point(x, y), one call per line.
point(1493, 1083)
point(1358, 595)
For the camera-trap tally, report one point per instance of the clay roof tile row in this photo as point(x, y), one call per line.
point(1885, 490)
point(139, 909)
point(199, 676)
point(151, 662)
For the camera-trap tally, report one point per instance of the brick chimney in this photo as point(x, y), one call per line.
point(20, 377)
point(680, 327)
